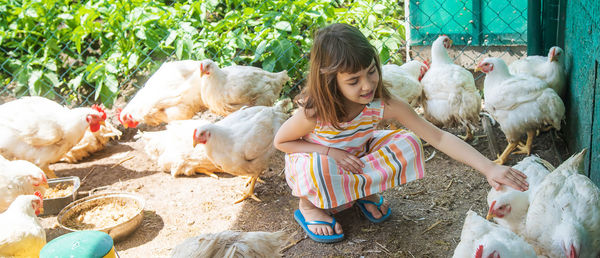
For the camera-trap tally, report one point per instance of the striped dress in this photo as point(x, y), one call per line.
point(391, 158)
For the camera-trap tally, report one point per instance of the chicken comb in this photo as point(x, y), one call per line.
point(39, 195)
point(427, 63)
point(479, 252)
point(99, 109)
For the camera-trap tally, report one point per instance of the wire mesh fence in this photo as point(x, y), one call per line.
point(85, 52)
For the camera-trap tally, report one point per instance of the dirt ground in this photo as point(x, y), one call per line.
point(426, 221)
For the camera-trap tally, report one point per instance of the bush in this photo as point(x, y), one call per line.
point(89, 51)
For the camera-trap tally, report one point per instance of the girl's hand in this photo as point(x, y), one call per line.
point(502, 175)
point(346, 160)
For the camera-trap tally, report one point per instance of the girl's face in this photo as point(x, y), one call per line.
point(359, 87)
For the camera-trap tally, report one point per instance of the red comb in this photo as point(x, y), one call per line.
point(479, 252)
point(38, 194)
point(99, 109)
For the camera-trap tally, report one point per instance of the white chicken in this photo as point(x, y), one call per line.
point(171, 93)
point(19, 177)
point(404, 82)
point(481, 238)
point(41, 131)
point(242, 143)
point(91, 142)
point(232, 244)
point(450, 97)
point(549, 69)
point(519, 103)
point(509, 206)
point(22, 234)
point(225, 90)
point(564, 215)
point(173, 149)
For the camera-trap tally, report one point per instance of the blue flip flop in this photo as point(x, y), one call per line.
point(317, 238)
point(361, 204)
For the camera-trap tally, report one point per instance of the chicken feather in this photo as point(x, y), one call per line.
point(563, 217)
point(41, 131)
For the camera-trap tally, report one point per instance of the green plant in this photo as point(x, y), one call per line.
point(89, 51)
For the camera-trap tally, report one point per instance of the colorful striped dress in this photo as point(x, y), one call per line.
point(391, 158)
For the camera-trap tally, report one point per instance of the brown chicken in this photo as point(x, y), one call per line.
point(242, 143)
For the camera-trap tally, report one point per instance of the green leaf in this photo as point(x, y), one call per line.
point(384, 54)
point(111, 84)
point(33, 83)
point(132, 62)
point(283, 25)
point(74, 83)
point(260, 49)
point(99, 86)
point(52, 78)
point(269, 63)
point(172, 36)
point(248, 11)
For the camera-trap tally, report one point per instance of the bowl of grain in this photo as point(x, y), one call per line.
point(118, 214)
point(61, 192)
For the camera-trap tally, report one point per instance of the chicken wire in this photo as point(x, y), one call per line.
point(74, 53)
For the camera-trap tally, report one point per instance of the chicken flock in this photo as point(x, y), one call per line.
point(557, 217)
point(523, 98)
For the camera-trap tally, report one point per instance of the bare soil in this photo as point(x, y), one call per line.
point(426, 221)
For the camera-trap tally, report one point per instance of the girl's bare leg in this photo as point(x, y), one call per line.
point(311, 213)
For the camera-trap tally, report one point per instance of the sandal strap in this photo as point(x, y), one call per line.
point(320, 222)
point(378, 204)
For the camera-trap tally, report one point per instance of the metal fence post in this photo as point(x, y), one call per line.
point(534, 32)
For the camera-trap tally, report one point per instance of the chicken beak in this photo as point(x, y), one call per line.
point(102, 122)
point(451, 42)
point(489, 216)
point(45, 185)
point(195, 142)
point(478, 69)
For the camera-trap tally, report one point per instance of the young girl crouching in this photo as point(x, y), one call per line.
point(336, 157)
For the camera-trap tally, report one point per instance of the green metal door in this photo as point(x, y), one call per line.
point(582, 41)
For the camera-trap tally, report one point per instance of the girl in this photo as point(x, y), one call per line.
point(334, 154)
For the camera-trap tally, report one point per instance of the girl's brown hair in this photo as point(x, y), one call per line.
point(336, 48)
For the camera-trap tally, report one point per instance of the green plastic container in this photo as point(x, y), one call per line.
point(80, 244)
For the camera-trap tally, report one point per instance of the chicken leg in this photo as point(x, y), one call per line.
point(250, 180)
point(49, 172)
point(502, 158)
point(468, 136)
point(526, 149)
point(250, 192)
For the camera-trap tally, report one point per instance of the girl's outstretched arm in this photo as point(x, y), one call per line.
point(454, 147)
